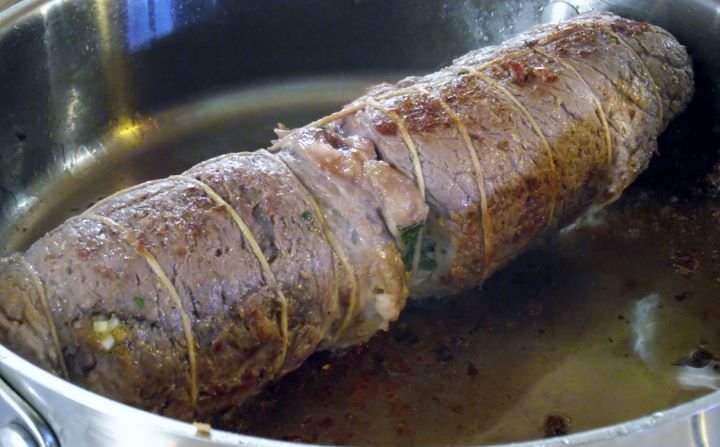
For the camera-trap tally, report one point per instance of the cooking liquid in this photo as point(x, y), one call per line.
point(589, 328)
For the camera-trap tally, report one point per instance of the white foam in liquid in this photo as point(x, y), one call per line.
point(644, 325)
point(698, 378)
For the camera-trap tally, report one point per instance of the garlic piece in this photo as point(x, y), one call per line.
point(113, 323)
point(108, 342)
point(100, 326)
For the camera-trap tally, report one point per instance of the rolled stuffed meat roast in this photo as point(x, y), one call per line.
point(185, 295)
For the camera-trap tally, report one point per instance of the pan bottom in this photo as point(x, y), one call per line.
point(611, 320)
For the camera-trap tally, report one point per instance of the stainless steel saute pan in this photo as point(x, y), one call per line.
point(96, 95)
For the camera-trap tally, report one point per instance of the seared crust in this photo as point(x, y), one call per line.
point(26, 326)
point(233, 310)
point(91, 271)
point(562, 118)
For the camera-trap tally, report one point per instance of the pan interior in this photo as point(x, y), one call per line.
point(612, 319)
point(596, 326)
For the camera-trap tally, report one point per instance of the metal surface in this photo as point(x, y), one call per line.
point(20, 425)
point(81, 418)
point(85, 82)
point(15, 436)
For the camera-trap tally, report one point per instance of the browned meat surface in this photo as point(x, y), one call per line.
point(559, 119)
point(186, 295)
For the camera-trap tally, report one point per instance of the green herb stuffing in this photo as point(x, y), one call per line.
point(408, 238)
point(139, 301)
point(409, 235)
point(306, 216)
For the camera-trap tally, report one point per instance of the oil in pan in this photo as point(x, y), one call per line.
point(612, 320)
